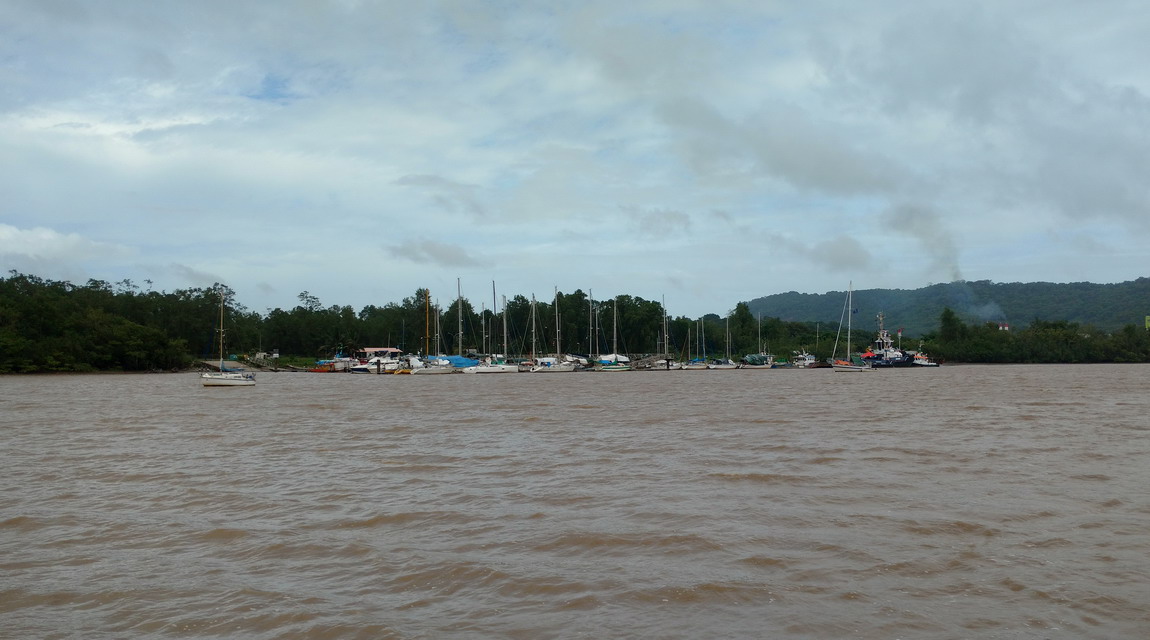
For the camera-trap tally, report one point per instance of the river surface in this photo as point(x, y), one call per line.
point(958, 502)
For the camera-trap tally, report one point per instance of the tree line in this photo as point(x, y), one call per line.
point(1107, 307)
point(48, 325)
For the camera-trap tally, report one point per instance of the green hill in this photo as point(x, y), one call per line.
point(1107, 307)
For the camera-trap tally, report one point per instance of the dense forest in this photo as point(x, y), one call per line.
point(48, 325)
point(1107, 307)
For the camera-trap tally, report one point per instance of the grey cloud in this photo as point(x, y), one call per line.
point(656, 222)
point(437, 253)
point(926, 226)
point(842, 253)
point(448, 195)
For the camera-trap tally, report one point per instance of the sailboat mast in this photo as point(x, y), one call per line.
point(221, 329)
point(703, 339)
point(590, 321)
point(727, 336)
point(615, 329)
point(850, 312)
point(666, 337)
point(459, 316)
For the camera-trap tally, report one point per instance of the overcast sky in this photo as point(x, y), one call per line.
point(701, 152)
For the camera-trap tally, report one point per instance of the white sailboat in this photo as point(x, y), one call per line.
point(433, 365)
point(725, 363)
point(614, 361)
point(849, 364)
point(699, 362)
point(495, 363)
point(555, 364)
point(224, 378)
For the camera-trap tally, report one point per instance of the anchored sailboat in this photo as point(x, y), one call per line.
point(224, 378)
point(850, 364)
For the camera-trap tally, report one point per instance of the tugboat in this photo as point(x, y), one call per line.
point(883, 353)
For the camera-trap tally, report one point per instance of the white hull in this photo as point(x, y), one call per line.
point(491, 368)
point(852, 367)
point(425, 371)
point(561, 367)
point(227, 379)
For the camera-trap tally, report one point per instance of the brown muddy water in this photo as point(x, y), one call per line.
point(959, 502)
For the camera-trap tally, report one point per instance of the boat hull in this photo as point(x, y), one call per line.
point(227, 379)
point(491, 368)
point(426, 371)
point(561, 367)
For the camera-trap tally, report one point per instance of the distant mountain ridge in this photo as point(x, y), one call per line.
point(1107, 307)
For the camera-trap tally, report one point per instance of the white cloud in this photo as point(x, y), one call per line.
point(656, 147)
point(42, 243)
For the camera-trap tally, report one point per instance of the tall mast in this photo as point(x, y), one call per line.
point(590, 322)
point(426, 321)
point(459, 315)
point(615, 329)
point(666, 337)
point(221, 329)
point(703, 339)
point(850, 312)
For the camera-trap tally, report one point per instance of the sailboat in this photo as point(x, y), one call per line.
point(224, 378)
point(725, 363)
point(849, 364)
point(699, 362)
point(556, 364)
point(433, 365)
point(497, 362)
point(614, 361)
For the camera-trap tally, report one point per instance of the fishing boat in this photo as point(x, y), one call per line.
point(923, 360)
point(850, 364)
point(883, 352)
point(223, 377)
